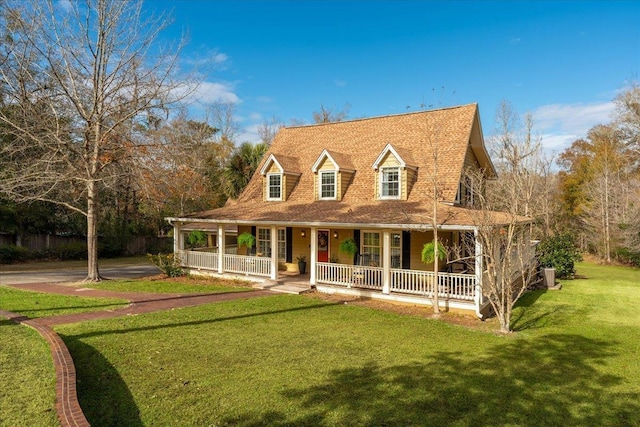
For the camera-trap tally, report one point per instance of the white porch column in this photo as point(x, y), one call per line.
point(314, 255)
point(478, 268)
point(221, 248)
point(386, 261)
point(177, 237)
point(274, 252)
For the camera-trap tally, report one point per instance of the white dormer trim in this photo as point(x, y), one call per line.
point(322, 156)
point(389, 149)
point(267, 165)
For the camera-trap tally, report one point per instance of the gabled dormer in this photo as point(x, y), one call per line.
point(395, 173)
point(280, 175)
point(333, 172)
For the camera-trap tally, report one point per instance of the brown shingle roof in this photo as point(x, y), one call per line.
point(355, 145)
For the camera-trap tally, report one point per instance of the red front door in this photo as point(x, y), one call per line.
point(323, 245)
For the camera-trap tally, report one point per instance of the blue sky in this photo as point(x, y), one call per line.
point(563, 61)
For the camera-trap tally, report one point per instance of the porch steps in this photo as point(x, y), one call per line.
point(285, 288)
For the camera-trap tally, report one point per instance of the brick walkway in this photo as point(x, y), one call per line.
point(69, 412)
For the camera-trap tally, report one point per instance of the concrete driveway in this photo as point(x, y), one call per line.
point(75, 275)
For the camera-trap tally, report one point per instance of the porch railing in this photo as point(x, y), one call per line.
point(254, 265)
point(451, 285)
point(198, 259)
point(349, 275)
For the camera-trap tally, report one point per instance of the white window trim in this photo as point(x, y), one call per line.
point(269, 198)
point(380, 183)
point(380, 244)
point(259, 240)
point(335, 184)
point(284, 241)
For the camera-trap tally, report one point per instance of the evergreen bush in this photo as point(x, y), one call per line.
point(559, 252)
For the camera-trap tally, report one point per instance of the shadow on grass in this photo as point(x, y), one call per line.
point(79, 307)
point(553, 380)
point(104, 397)
point(200, 322)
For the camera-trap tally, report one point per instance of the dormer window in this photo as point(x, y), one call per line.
point(333, 172)
point(327, 185)
point(274, 186)
point(395, 174)
point(281, 175)
point(390, 183)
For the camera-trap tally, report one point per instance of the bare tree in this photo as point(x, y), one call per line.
point(268, 130)
point(507, 252)
point(329, 115)
point(77, 79)
point(221, 115)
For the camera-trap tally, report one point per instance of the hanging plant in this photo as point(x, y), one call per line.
point(247, 239)
point(197, 239)
point(348, 246)
point(428, 252)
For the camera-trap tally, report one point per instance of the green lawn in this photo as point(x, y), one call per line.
point(27, 378)
point(35, 304)
point(292, 360)
point(73, 264)
point(186, 286)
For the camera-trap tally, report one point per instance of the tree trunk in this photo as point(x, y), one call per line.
point(93, 274)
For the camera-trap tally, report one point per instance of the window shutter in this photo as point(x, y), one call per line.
point(356, 238)
point(289, 244)
point(406, 250)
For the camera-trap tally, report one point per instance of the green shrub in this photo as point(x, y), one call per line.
point(69, 251)
point(627, 256)
point(559, 252)
point(169, 264)
point(12, 253)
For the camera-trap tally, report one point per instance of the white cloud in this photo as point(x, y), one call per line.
point(340, 83)
point(210, 57)
point(265, 99)
point(255, 117)
point(562, 124)
point(575, 118)
point(209, 92)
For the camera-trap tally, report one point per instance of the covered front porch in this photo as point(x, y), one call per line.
point(387, 264)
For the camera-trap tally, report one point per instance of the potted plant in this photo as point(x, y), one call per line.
point(348, 246)
point(302, 263)
point(428, 252)
point(247, 239)
point(197, 239)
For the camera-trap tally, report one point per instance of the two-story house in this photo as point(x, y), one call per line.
point(371, 180)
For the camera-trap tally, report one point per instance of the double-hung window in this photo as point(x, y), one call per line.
point(264, 242)
point(274, 186)
point(327, 186)
point(390, 183)
point(371, 250)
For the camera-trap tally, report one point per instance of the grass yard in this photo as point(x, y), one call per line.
point(35, 304)
point(27, 378)
point(179, 285)
point(73, 264)
point(294, 360)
